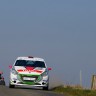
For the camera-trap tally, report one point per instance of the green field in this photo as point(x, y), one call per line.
point(69, 91)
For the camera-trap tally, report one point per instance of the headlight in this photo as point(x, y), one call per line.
point(45, 73)
point(14, 72)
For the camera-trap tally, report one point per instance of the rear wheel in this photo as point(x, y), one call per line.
point(3, 83)
point(11, 86)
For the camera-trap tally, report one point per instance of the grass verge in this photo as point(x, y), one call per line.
point(69, 91)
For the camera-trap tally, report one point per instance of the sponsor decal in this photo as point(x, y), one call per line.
point(29, 69)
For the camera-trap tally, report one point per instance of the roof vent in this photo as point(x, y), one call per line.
point(30, 56)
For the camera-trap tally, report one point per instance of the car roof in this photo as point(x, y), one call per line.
point(30, 58)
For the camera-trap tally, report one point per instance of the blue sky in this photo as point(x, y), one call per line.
point(63, 32)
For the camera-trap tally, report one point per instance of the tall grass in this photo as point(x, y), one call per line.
point(69, 91)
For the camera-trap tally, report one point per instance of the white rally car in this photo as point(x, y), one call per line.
point(29, 71)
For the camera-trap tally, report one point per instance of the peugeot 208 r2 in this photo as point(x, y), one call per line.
point(31, 71)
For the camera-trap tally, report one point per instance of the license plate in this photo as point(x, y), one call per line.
point(26, 78)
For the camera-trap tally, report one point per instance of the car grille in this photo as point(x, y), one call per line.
point(32, 78)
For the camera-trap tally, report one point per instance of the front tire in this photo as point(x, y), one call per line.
point(11, 86)
point(3, 83)
point(46, 88)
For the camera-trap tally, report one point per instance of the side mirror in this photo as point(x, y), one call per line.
point(49, 69)
point(10, 66)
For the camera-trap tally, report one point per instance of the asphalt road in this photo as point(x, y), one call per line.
point(6, 91)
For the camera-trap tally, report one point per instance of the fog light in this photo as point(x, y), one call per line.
point(43, 83)
point(14, 81)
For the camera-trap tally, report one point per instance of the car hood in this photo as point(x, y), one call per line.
point(29, 70)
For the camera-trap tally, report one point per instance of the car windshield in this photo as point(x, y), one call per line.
point(30, 63)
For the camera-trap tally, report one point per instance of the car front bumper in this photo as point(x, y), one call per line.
point(41, 81)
